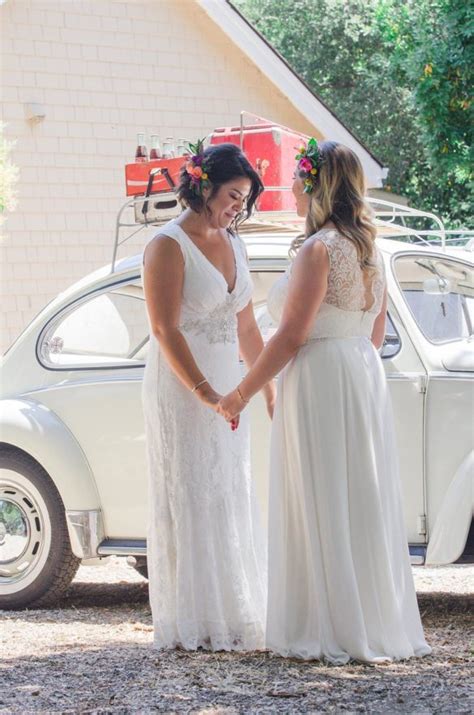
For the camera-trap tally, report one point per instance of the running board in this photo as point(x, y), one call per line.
point(137, 547)
point(122, 547)
point(417, 554)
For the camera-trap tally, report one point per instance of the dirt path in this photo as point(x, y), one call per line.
point(93, 655)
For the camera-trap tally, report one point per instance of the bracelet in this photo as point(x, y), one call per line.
point(241, 396)
point(198, 385)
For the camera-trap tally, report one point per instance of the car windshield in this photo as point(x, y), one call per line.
point(440, 294)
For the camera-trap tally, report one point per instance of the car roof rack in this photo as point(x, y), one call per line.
point(392, 220)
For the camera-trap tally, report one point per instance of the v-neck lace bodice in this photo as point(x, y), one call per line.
point(208, 309)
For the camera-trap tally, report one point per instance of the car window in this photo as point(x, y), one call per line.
point(103, 330)
point(440, 294)
point(391, 343)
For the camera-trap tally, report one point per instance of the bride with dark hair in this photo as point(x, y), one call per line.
point(205, 551)
point(340, 584)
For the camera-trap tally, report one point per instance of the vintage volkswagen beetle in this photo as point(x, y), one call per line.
point(72, 458)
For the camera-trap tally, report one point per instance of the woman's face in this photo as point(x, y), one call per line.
point(302, 199)
point(229, 201)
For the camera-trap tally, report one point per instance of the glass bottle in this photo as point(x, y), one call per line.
point(181, 148)
point(141, 152)
point(168, 148)
point(155, 151)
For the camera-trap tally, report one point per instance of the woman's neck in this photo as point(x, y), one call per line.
point(199, 226)
point(329, 224)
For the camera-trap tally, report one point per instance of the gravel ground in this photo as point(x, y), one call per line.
point(92, 655)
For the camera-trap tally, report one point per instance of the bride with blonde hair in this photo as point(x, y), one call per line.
point(340, 583)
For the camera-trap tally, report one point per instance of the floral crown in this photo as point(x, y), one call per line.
point(309, 161)
point(196, 167)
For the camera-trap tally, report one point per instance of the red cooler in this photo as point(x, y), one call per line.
point(137, 175)
point(271, 149)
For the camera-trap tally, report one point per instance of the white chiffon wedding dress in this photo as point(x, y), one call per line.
point(205, 550)
point(340, 582)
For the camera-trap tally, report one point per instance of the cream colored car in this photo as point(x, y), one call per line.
point(72, 458)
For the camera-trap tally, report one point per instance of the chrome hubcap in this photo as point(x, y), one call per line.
point(24, 531)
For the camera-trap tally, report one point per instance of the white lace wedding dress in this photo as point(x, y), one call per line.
point(340, 583)
point(205, 551)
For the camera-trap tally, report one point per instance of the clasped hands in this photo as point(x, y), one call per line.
point(231, 405)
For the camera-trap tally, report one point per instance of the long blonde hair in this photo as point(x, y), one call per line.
point(338, 196)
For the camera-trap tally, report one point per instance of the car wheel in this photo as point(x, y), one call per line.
point(36, 561)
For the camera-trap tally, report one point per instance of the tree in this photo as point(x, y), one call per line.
point(432, 52)
point(8, 176)
point(350, 53)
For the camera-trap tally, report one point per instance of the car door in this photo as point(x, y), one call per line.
point(438, 292)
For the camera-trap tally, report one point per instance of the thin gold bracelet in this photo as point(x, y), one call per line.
point(241, 396)
point(198, 385)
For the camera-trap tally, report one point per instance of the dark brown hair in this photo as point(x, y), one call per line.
point(223, 162)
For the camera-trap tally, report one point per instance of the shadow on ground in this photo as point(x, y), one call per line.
point(119, 594)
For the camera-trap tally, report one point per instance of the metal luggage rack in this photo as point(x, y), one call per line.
point(141, 212)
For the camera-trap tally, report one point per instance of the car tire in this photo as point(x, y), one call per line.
point(36, 561)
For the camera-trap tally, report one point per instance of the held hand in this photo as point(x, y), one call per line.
point(230, 406)
point(208, 396)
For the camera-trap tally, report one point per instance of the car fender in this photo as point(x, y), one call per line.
point(451, 527)
point(38, 431)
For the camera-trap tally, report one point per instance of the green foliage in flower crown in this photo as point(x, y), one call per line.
point(197, 148)
point(196, 168)
point(309, 162)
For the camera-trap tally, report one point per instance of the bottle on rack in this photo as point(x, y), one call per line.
point(168, 148)
point(155, 151)
point(181, 149)
point(141, 152)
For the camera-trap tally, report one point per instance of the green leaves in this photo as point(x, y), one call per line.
point(433, 55)
point(9, 176)
point(397, 73)
point(196, 148)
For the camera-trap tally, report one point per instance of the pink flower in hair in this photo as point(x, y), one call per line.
point(305, 164)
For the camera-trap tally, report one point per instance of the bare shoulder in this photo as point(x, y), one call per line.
point(163, 248)
point(315, 250)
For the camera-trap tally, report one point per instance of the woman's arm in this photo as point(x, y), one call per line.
point(378, 331)
point(163, 286)
point(251, 345)
point(306, 291)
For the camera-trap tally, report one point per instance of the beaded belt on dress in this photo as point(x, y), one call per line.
point(337, 337)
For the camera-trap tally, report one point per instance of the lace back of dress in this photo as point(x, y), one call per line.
point(349, 287)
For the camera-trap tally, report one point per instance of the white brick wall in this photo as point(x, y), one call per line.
point(104, 70)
